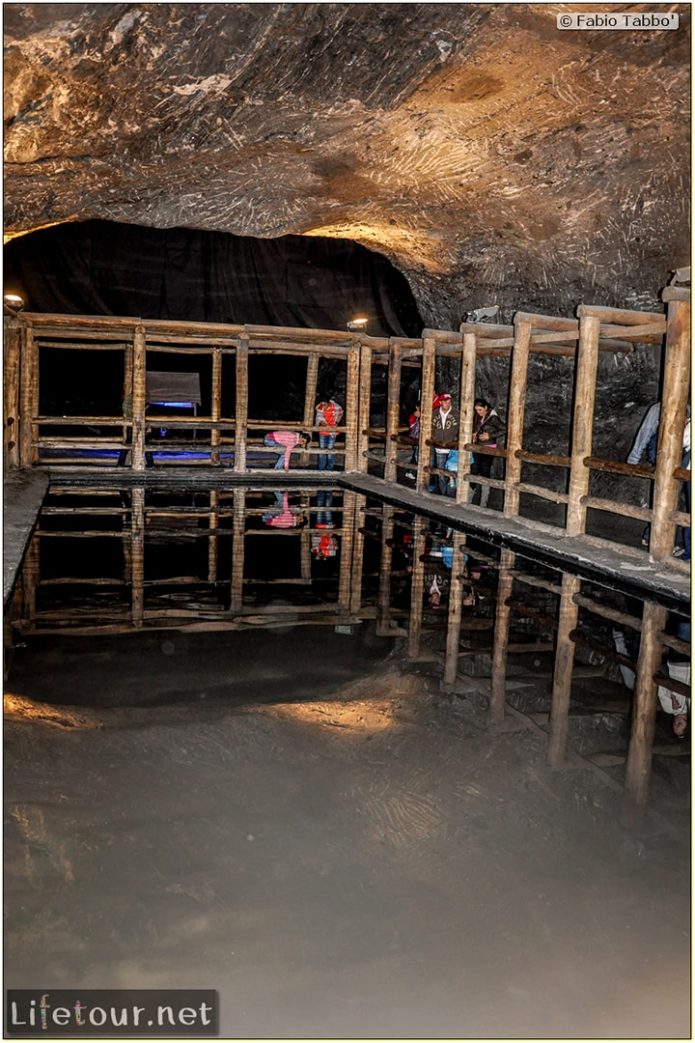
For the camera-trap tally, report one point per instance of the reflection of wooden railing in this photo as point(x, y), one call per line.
point(227, 522)
point(564, 634)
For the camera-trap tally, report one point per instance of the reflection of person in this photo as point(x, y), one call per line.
point(487, 429)
point(283, 517)
point(328, 416)
point(678, 667)
point(324, 517)
point(445, 429)
point(286, 441)
point(324, 546)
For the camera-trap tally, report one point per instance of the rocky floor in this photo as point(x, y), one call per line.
point(356, 857)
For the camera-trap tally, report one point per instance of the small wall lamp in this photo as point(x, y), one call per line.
point(358, 325)
point(13, 303)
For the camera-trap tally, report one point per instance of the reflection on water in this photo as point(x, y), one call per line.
point(519, 633)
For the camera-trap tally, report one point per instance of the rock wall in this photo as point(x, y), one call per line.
point(489, 155)
point(492, 157)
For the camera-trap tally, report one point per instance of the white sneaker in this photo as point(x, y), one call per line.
point(409, 474)
point(677, 551)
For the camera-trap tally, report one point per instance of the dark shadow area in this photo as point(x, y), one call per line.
point(104, 268)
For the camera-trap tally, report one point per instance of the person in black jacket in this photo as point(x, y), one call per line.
point(487, 430)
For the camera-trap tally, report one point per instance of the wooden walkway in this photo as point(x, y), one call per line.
point(623, 567)
point(23, 495)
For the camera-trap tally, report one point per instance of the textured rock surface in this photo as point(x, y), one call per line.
point(491, 157)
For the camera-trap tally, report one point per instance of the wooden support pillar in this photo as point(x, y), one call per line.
point(562, 675)
point(346, 544)
point(127, 404)
point(216, 405)
point(312, 380)
point(137, 553)
point(453, 625)
point(29, 393)
point(364, 406)
point(357, 558)
point(213, 523)
point(518, 381)
point(139, 397)
point(467, 385)
point(393, 409)
point(503, 611)
point(417, 591)
point(639, 757)
point(241, 409)
point(352, 398)
point(305, 544)
point(674, 398)
point(583, 420)
point(11, 403)
point(383, 600)
point(31, 568)
point(429, 363)
point(238, 538)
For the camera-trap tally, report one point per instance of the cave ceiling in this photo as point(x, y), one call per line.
point(490, 156)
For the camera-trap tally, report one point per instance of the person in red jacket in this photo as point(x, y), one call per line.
point(328, 417)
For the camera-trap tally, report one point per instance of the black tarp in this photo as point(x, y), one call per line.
point(104, 268)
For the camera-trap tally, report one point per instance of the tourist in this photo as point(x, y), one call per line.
point(328, 417)
point(445, 432)
point(487, 429)
point(287, 442)
point(283, 517)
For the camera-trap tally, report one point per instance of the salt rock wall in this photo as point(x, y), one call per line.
point(490, 156)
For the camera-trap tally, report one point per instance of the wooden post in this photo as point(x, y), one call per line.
point(364, 407)
point(127, 405)
point(216, 405)
point(139, 397)
point(305, 545)
point(352, 397)
point(503, 611)
point(312, 380)
point(429, 362)
point(346, 545)
point(31, 568)
point(562, 675)
point(137, 560)
point(518, 381)
point(213, 520)
point(29, 385)
point(453, 625)
point(357, 558)
point(383, 600)
point(11, 405)
point(238, 536)
point(674, 398)
point(241, 410)
point(583, 419)
point(417, 590)
point(639, 757)
point(467, 385)
point(393, 409)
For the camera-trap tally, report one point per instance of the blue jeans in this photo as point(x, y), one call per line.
point(270, 442)
point(326, 463)
point(324, 498)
